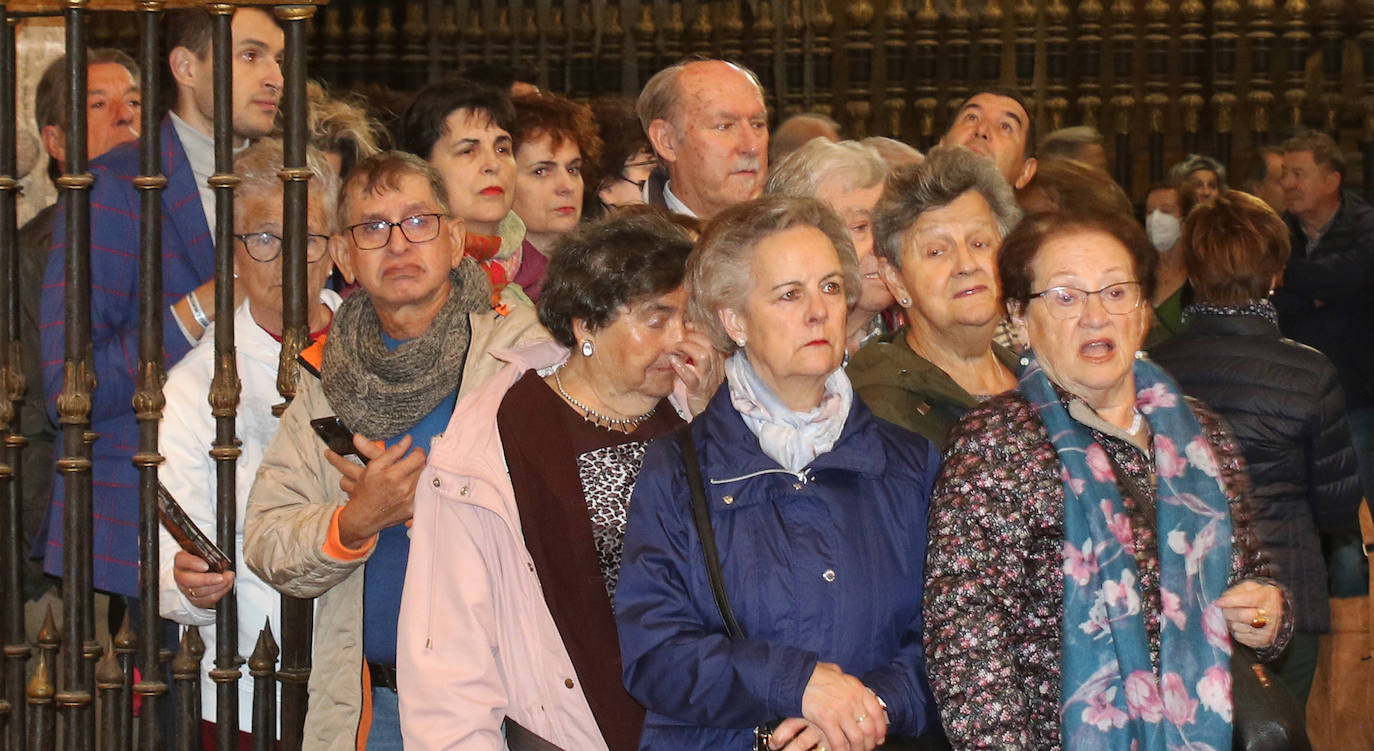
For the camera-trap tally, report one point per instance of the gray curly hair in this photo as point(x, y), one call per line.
point(947, 173)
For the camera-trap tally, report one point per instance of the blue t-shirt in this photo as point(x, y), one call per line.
point(385, 572)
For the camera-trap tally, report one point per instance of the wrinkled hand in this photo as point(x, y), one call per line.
point(845, 711)
point(1243, 603)
point(700, 367)
point(195, 580)
point(796, 734)
point(381, 494)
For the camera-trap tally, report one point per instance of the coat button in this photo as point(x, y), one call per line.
point(829, 575)
point(463, 490)
point(568, 682)
point(436, 482)
point(729, 499)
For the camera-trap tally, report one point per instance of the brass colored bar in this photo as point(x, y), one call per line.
point(77, 684)
point(224, 386)
point(148, 398)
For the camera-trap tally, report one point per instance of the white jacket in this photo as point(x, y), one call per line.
point(184, 438)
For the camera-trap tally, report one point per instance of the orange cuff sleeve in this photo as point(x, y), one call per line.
point(334, 547)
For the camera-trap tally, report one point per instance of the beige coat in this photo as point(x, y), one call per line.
point(289, 510)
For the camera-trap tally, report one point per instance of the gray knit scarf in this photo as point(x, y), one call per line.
point(382, 393)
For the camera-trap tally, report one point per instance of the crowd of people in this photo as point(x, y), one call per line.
point(667, 433)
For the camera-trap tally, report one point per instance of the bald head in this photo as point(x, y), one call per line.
point(797, 130)
point(709, 126)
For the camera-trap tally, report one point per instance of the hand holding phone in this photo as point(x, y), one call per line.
point(336, 436)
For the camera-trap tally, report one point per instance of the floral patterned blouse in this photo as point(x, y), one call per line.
point(994, 571)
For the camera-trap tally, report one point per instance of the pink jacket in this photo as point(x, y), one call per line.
point(476, 640)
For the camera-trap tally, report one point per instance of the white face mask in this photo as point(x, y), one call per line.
point(1163, 230)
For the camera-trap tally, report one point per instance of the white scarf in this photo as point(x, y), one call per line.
point(792, 439)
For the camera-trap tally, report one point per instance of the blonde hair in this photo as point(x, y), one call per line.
point(719, 269)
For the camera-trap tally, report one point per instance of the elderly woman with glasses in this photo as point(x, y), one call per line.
point(1091, 548)
point(816, 512)
point(189, 590)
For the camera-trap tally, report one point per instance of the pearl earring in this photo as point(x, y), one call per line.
point(740, 342)
point(1140, 354)
point(905, 302)
point(587, 348)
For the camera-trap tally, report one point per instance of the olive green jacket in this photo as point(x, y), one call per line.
point(904, 388)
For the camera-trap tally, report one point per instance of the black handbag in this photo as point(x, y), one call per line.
point(701, 518)
point(1265, 716)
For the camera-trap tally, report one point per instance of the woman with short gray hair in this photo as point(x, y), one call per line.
point(939, 226)
point(848, 177)
point(802, 489)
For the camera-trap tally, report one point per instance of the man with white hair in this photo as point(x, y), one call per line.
point(708, 124)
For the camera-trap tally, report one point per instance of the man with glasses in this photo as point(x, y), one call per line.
point(188, 589)
point(415, 338)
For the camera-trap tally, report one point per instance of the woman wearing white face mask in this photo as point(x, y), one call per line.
point(1164, 212)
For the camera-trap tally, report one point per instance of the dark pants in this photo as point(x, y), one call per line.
point(1298, 664)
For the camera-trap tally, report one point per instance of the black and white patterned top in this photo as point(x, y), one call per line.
point(608, 477)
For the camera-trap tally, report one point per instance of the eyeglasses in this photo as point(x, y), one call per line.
point(650, 163)
point(266, 247)
point(1117, 299)
point(418, 228)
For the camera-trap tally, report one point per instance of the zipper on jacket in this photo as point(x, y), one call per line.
point(801, 476)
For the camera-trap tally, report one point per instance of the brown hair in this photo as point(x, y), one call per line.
point(561, 120)
point(1325, 151)
point(383, 171)
point(1020, 248)
point(1077, 186)
point(1233, 248)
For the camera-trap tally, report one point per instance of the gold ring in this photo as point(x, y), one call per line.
point(1259, 621)
point(861, 718)
point(193, 592)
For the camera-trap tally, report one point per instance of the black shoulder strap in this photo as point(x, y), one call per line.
point(701, 515)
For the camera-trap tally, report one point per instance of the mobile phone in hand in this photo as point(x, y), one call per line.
point(336, 436)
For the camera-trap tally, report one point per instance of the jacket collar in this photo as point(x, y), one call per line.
point(857, 450)
point(890, 361)
point(181, 205)
point(1247, 325)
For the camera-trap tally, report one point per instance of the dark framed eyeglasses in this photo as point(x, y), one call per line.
point(417, 228)
point(1117, 299)
point(650, 163)
point(266, 247)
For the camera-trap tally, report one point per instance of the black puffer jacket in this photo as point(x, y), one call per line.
point(1284, 403)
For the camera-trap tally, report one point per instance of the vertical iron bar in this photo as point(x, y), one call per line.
point(122, 732)
point(224, 386)
point(148, 399)
point(262, 666)
point(74, 408)
point(297, 616)
point(186, 675)
point(42, 724)
point(11, 397)
point(108, 681)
